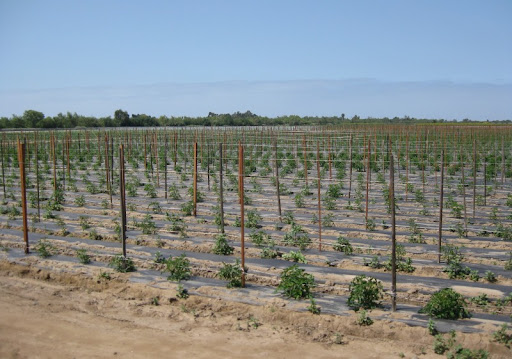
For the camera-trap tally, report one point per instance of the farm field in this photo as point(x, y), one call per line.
point(318, 197)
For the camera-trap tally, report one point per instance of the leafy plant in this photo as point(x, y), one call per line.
point(508, 263)
point(297, 236)
point(45, 249)
point(269, 253)
point(446, 304)
point(490, 277)
point(122, 264)
point(150, 190)
point(174, 192)
point(296, 283)
point(187, 208)
point(222, 246)
point(313, 307)
point(82, 256)
point(431, 327)
point(365, 292)
point(295, 257)
point(181, 292)
point(343, 245)
point(503, 336)
point(178, 268)
point(363, 319)
point(370, 224)
point(232, 273)
point(80, 201)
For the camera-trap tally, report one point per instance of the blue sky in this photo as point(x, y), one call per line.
point(443, 59)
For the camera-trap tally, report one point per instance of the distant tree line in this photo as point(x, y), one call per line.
point(36, 119)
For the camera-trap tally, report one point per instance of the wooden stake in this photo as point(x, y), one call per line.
point(393, 230)
point(319, 198)
point(441, 195)
point(242, 215)
point(123, 197)
point(21, 163)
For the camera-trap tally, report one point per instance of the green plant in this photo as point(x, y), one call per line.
point(446, 304)
point(327, 221)
point(288, 217)
point(431, 327)
point(253, 219)
point(181, 292)
point(480, 300)
point(232, 273)
point(155, 207)
point(260, 239)
point(104, 275)
point(296, 283)
point(365, 293)
point(370, 224)
point(150, 190)
point(222, 246)
point(454, 257)
point(313, 307)
point(416, 236)
point(82, 256)
point(502, 336)
point(442, 344)
point(122, 264)
point(178, 268)
point(187, 208)
point(268, 253)
point(173, 192)
point(159, 258)
point(295, 257)
point(363, 319)
point(93, 235)
point(147, 225)
point(343, 245)
point(490, 277)
point(45, 249)
point(373, 263)
point(297, 236)
point(80, 201)
point(508, 263)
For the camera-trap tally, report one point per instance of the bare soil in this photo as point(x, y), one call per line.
point(61, 315)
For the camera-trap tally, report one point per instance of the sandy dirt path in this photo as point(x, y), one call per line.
point(49, 315)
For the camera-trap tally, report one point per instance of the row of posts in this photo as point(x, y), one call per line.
point(21, 160)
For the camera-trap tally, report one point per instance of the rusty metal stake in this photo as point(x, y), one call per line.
point(21, 162)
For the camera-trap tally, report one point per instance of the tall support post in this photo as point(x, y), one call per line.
point(441, 195)
point(242, 214)
point(367, 179)
point(474, 178)
point(221, 190)
point(195, 179)
point(464, 194)
point(52, 144)
point(485, 180)
point(304, 145)
point(208, 162)
point(165, 166)
point(350, 170)
point(21, 163)
point(277, 181)
point(123, 198)
point(36, 165)
point(393, 228)
point(3, 167)
point(319, 199)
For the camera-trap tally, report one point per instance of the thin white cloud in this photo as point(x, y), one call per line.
point(362, 97)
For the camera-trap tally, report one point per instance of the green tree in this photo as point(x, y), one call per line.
point(32, 117)
point(122, 118)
